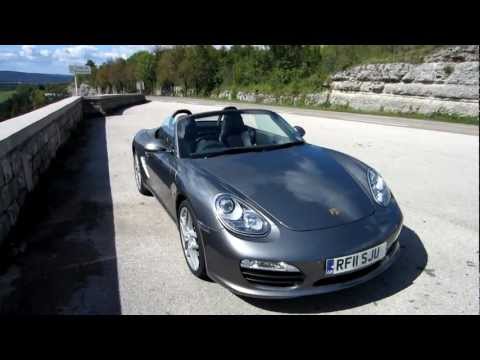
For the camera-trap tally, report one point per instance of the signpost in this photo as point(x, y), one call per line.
point(79, 70)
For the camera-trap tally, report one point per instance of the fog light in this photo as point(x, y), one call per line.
point(267, 265)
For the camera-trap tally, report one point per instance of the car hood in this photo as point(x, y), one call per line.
point(302, 187)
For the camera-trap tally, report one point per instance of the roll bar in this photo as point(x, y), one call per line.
point(182, 111)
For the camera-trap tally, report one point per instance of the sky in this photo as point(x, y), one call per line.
point(54, 59)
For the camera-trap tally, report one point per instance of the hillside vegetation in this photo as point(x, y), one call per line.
point(25, 98)
point(5, 95)
point(271, 71)
point(201, 70)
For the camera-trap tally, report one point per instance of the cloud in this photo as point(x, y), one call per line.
point(140, 47)
point(105, 55)
point(56, 58)
point(45, 52)
point(76, 53)
point(81, 53)
point(7, 55)
point(123, 51)
point(27, 51)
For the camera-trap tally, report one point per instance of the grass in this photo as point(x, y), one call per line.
point(438, 116)
point(6, 94)
point(414, 55)
point(442, 117)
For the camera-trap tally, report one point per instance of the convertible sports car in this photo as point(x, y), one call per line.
point(261, 211)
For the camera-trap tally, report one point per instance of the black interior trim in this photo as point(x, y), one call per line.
point(182, 111)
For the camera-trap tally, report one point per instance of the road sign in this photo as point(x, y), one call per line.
point(80, 69)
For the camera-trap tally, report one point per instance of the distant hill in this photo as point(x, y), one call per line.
point(16, 77)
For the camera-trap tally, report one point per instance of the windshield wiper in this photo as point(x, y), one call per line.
point(280, 146)
point(237, 150)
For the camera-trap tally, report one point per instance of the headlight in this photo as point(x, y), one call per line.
point(380, 191)
point(238, 217)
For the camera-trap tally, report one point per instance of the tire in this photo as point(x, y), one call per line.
point(139, 176)
point(200, 270)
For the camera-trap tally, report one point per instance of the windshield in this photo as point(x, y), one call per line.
point(226, 132)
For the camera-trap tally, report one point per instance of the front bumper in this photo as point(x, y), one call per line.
point(307, 250)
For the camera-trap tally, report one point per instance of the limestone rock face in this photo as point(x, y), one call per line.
point(428, 73)
point(245, 96)
point(373, 73)
point(316, 98)
point(464, 73)
point(226, 94)
point(446, 82)
point(86, 90)
point(459, 53)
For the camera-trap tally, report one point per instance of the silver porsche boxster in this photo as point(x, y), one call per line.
point(262, 212)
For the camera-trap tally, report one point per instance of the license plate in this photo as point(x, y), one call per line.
point(356, 261)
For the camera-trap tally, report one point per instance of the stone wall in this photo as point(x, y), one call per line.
point(29, 143)
point(446, 82)
point(105, 104)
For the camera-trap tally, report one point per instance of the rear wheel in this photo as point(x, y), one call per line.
point(139, 176)
point(190, 237)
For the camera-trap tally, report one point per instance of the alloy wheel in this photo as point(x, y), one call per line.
point(189, 239)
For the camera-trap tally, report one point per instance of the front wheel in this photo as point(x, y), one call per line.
point(190, 237)
point(139, 177)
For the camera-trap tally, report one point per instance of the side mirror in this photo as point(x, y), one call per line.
point(155, 145)
point(300, 131)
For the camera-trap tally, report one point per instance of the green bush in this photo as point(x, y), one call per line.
point(448, 69)
point(29, 97)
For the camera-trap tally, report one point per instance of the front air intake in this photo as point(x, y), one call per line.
point(273, 278)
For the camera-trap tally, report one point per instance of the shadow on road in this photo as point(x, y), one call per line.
point(410, 263)
point(65, 239)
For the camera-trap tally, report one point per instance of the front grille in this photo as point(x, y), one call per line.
point(353, 275)
point(272, 278)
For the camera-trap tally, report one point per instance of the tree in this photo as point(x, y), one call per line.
point(102, 77)
point(168, 67)
point(204, 68)
point(91, 79)
point(144, 68)
point(38, 98)
point(269, 68)
point(186, 70)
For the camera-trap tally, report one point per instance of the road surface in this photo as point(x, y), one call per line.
point(369, 119)
point(95, 245)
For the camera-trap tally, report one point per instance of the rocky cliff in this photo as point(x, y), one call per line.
point(446, 82)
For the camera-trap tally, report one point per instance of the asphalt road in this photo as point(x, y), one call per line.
point(369, 119)
point(95, 245)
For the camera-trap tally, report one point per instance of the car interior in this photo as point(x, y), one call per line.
point(217, 132)
point(214, 133)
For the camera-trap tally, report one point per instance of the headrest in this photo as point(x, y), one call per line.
point(187, 128)
point(232, 123)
